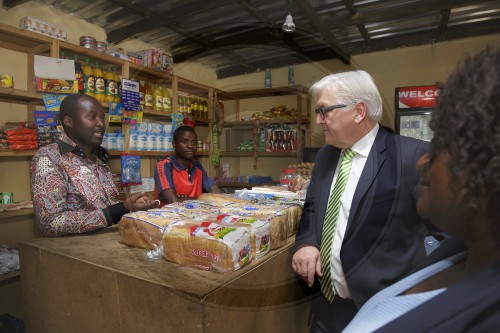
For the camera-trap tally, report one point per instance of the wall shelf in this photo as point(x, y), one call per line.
point(16, 213)
point(10, 277)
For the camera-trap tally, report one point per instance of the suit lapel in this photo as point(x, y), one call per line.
point(376, 159)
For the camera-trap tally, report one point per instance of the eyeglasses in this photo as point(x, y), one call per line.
point(322, 111)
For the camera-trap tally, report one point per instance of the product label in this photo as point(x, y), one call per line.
point(89, 82)
point(100, 86)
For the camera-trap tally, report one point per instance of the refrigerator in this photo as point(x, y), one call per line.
point(413, 107)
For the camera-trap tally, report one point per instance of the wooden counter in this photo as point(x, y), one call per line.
point(93, 283)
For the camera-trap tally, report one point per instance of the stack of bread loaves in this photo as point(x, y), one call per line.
point(217, 232)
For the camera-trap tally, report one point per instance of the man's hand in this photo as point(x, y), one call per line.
point(306, 262)
point(140, 201)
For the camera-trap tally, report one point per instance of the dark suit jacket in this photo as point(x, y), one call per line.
point(384, 238)
point(470, 305)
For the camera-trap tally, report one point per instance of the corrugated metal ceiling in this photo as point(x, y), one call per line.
point(241, 36)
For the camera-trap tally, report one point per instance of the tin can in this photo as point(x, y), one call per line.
point(7, 198)
point(102, 47)
point(6, 81)
point(88, 42)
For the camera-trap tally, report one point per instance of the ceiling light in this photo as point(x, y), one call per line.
point(289, 26)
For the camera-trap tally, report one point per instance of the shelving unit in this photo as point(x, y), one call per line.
point(239, 130)
point(10, 277)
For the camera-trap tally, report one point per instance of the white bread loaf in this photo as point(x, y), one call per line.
point(259, 231)
point(208, 246)
point(144, 229)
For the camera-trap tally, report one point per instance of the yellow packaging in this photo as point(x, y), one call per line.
point(6, 81)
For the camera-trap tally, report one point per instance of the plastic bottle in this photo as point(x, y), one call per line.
point(88, 78)
point(196, 108)
point(167, 100)
point(286, 177)
point(189, 106)
point(110, 85)
point(100, 86)
point(205, 109)
point(148, 96)
point(158, 98)
point(142, 84)
point(291, 76)
point(118, 89)
point(79, 75)
point(267, 79)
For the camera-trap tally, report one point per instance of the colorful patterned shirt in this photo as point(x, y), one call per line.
point(72, 194)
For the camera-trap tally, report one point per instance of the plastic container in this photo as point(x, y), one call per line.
point(286, 177)
point(88, 78)
point(100, 86)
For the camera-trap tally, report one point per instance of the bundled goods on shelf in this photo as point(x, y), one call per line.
point(48, 126)
point(216, 232)
point(157, 60)
point(113, 141)
point(21, 136)
point(6, 81)
point(53, 75)
point(151, 137)
point(147, 185)
point(280, 112)
point(192, 106)
point(44, 28)
point(280, 138)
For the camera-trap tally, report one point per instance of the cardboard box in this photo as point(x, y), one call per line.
point(67, 280)
point(55, 75)
point(43, 28)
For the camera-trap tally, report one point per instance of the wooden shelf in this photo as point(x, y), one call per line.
point(24, 41)
point(266, 92)
point(17, 153)
point(151, 153)
point(16, 213)
point(259, 153)
point(10, 277)
point(20, 96)
point(262, 122)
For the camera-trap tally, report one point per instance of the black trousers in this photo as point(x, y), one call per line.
point(331, 318)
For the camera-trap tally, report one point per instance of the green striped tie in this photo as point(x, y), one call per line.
point(330, 224)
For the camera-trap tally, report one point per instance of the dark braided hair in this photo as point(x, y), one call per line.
point(466, 124)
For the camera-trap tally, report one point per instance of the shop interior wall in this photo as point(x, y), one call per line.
point(402, 67)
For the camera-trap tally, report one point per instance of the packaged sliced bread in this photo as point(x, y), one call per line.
point(259, 231)
point(145, 229)
point(207, 246)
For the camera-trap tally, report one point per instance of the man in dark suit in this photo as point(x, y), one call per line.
point(374, 235)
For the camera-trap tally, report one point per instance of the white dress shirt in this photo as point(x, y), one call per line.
point(362, 149)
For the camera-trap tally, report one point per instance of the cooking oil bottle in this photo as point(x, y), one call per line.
point(100, 86)
point(110, 85)
point(158, 98)
point(88, 78)
point(167, 100)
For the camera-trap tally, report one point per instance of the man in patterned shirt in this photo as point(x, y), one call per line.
point(72, 185)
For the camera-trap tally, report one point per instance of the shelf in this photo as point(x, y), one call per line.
point(10, 277)
point(259, 153)
point(262, 122)
point(20, 96)
point(15, 213)
point(23, 41)
point(266, 92)
point(151, 153)
point(16, 153)
point(161, 115)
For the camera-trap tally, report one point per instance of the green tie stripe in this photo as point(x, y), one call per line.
point(330, 224)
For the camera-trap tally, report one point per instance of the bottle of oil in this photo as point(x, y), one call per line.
point(118, 89)
point(148, 96)
point(100, 86)
point(79, 75)
point(158, 98)
point(88, 78)
point(110, 85)
point(167, 100)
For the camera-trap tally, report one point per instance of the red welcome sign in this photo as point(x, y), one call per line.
point(418, 97)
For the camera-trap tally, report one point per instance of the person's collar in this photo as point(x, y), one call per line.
point(363, 145)
point(67, 145)
point(180, 166)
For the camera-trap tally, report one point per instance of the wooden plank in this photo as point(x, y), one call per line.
point(15, 213)
point(10, 277)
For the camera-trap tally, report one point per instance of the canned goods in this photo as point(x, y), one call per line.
point(199, 146)
point(88, 42)
point(6, 81)
point(101, 47)
point(7, 198)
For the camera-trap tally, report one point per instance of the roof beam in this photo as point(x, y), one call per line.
point(9, 4)
point(309, 11)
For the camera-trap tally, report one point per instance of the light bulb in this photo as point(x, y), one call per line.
point(288, 26)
